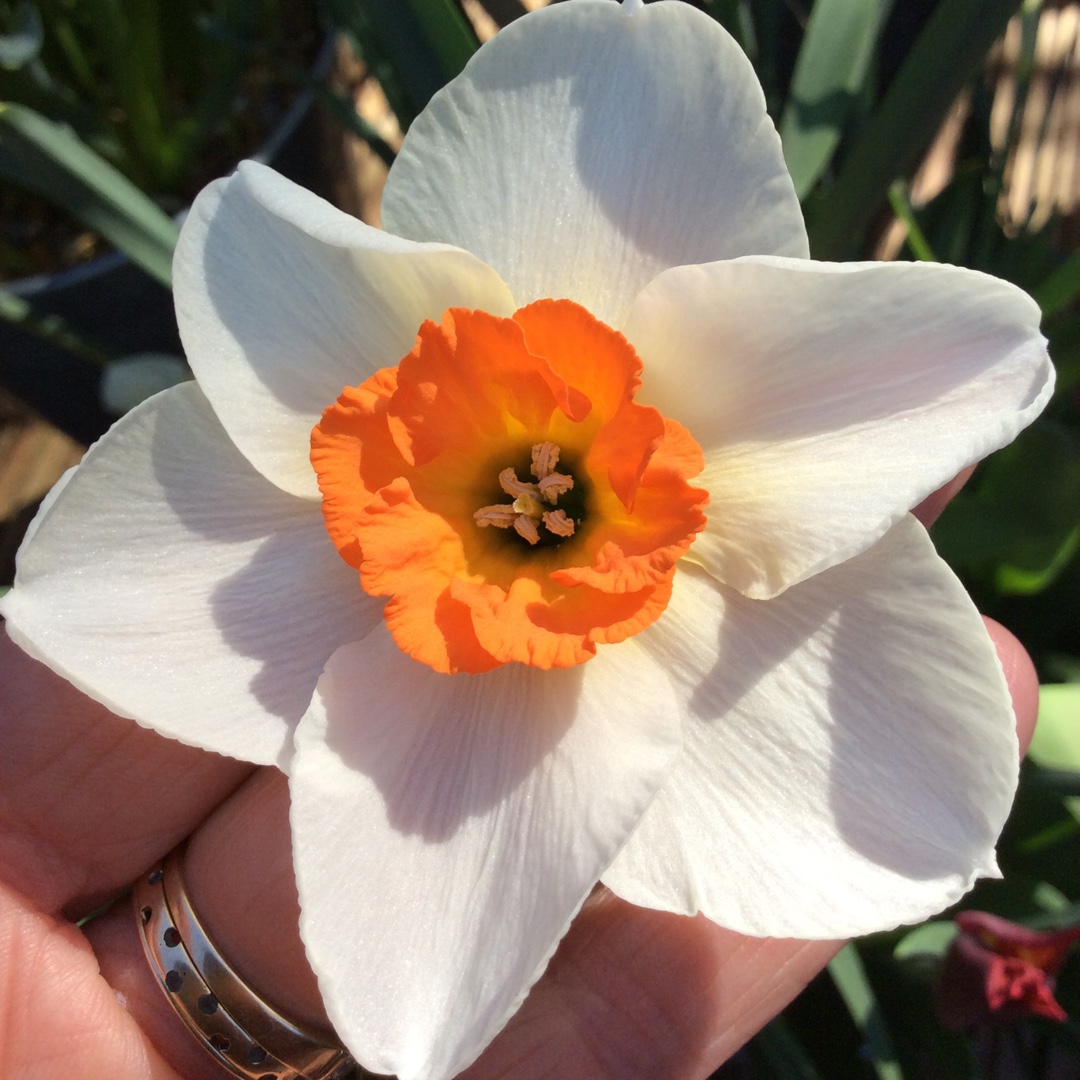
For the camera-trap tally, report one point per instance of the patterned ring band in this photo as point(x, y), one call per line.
point(240, 1030)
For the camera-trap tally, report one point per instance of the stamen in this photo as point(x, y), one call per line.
point(502, 516)
point(525, 527)
point(509, 482)
point(545, 456)
point(556, 521)
point(553, 485)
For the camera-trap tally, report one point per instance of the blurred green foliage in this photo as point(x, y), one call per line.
point(118, 111)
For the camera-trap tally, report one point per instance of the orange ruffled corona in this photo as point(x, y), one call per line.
point(504, 490)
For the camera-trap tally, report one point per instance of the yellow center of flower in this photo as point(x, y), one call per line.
point(504, 490)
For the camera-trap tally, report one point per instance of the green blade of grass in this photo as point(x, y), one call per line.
point(388, 39)
point(52, 161)
point(1061, 286)
point(344, 111)
point(946, 55)
point(51, 328)
point(448, 33)
point(848, 974)
point(901, 207)
point(830, 73)
point(780, 1053)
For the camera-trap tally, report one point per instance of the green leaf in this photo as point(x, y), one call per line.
point(1051, 836)
point(448, 33)
point(1060, 287)
point(388, 38)
point(901, 207)
point(127, 43)
point(1056, 742)
point(830, 74)
point(946, 55)
point(1058, 911)
point(1018, 526)
point(1057, 783)
point(1013, 580)
point(780, 1054)
point(847, 972)
point(930, 939)
point(734, 17)
point(52, 328)
point(343, 109)
point(51, 160)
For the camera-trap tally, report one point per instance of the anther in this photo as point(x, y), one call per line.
point(553, 485)
point(509, 482)
point(545, 456)
point(525, 527)
point(556, 521)
point(502, 516)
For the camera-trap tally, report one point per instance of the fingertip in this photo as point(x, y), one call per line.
point(1021, 676)
point(929, 510)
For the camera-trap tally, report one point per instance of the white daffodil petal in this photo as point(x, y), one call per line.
point(173, 583)
point(283, 300)
point(850, 755)
point(829, 399)
point(590, 146)
point(447, 828)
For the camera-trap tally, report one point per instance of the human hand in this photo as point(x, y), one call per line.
point(89, 801)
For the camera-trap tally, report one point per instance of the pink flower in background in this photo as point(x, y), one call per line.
point(999, 971)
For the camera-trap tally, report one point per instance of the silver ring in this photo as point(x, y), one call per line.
point(237, 1028)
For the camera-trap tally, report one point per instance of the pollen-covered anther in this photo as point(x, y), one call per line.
point(554, 485)
point(509, 482)
point(556, 522)
point(545, 456)
point(525, 527)
point(502, 516)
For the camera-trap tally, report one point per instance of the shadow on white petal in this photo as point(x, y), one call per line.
point(293, 601)
point(298, 579)
point(590, 150)
point(871, 695)
point(649, 100)
point(472, 739)
point(946, 806)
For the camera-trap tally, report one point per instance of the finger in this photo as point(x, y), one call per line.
point(1021, 676)
point(632, 992)
point(62, 1020)
point(87, 799)
point(238, 872)
point(929, 510)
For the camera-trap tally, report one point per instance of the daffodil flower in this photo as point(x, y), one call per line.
point(597, 565)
